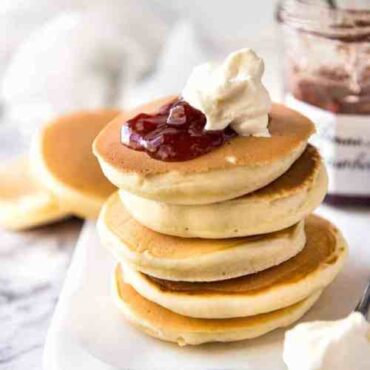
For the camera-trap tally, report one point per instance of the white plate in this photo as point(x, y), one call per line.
point(87, 332)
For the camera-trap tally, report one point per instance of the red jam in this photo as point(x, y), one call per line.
point(176, 133)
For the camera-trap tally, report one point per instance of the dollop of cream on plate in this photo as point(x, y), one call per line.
point(329, 345)
point(231, 93)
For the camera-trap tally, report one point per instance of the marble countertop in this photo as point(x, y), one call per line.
point(32, 270)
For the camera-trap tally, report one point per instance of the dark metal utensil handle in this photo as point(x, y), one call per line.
point(364, 303)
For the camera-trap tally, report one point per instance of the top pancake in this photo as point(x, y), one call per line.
point(65, 146)
point(276, 206)
point(288, 129)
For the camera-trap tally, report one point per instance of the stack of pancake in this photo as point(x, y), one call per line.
point(222, 247)
point(59, 178)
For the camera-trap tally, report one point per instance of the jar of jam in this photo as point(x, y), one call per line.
point(326, 69)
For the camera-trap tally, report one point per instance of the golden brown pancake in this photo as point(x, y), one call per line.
point(310, 270)
point(24, 203)
point(64, 160)
point(288, 129)
point(320, 249)
point(240, 166)
point(177, 258)
point(166, 325)
point(280, 204)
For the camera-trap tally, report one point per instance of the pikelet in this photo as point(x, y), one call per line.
point(280, 286)
point(192, 259)
point(211, 226)
point(281, 204)
point(61, 158)
point(238, 167)
point(24, 203)
point(164, 324)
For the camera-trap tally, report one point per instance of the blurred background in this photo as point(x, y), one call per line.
point(59, 56)
point(62, 55)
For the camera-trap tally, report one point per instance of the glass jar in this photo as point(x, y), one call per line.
point(326, 66)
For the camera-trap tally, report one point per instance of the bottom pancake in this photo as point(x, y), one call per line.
point(164, 324)
point(23, 202)
point(280, 286)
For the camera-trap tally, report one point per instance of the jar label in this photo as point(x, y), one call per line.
point(344, 143)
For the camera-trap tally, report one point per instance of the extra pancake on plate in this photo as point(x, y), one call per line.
point(190, 259)
point(164, 324)
point(283, 203)
point(62, 159)
point(277, 287)
point(24, 203)
point(238, 167)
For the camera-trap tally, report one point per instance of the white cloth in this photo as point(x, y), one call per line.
point(79, 58)
point(181, 52)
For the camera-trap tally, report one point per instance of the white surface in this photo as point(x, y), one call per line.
point(87, 331)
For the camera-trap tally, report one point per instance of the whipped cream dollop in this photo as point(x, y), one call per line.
point(231, 93)
point(329, 345)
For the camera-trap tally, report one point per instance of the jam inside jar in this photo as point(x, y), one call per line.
point(327, 78)
point(175, 133)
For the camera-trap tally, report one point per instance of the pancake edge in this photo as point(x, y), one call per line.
point(222, 220)
point(212, 306)
point(38, 210)
point(189, 337)
point(201, 188)
point(230, 262)
point(73, 201)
